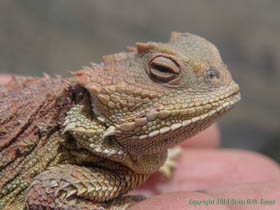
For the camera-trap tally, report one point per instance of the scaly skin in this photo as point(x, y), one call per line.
point(84, 142)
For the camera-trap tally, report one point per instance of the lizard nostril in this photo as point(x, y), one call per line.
point(212, 73)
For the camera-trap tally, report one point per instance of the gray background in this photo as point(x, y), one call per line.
point(60, 36)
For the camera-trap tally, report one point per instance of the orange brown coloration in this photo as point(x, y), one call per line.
point(85, 141)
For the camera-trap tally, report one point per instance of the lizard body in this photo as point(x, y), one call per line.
point(84, 142)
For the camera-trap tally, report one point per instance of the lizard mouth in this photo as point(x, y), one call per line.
point(227, 103)
point(159, 122)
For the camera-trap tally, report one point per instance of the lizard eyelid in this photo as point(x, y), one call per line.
point(163, 69)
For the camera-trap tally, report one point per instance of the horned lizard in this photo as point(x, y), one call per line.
point(84, 142)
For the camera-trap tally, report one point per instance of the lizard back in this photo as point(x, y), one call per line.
point(31, 109)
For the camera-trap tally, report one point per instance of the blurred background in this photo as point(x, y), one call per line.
point(58, 37)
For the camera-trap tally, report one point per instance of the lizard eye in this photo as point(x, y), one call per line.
point(212, 73)
point(163, 69)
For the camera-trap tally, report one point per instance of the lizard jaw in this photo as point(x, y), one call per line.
point(165, 121)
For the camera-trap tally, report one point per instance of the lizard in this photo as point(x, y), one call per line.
point(84, 142)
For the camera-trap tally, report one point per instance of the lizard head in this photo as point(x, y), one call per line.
point(160, 93)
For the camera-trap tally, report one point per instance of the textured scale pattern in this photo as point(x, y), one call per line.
point(26, 105)
point(84, 142)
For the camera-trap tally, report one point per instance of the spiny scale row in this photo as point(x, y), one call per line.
point(164, 114)
point(220, 109)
